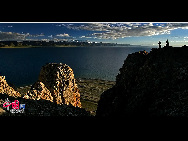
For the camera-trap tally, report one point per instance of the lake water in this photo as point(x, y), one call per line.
point(21, 66)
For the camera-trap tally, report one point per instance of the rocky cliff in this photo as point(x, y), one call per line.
point(56, 83)
point(150, 85)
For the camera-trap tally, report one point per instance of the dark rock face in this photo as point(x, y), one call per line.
point(149, 85)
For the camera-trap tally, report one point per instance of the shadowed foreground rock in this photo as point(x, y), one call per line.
point(149, 85)
point(56, 83)
point(42, 107)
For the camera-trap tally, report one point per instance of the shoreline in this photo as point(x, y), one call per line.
point(82, 83)
point(34, 46)
point(16, 47)
point(90, 91)
point(59, 46)
point(80, 79)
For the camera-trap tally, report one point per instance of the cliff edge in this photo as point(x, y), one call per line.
point(151, 84)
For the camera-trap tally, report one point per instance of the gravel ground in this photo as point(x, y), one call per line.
point(91, 89)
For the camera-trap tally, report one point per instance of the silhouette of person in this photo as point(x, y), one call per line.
point(159, 44)
point(167, 43)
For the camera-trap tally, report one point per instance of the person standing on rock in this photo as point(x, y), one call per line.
point(159, 44)
point(167, 43)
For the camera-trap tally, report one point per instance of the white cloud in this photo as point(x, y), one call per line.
point(63, 35)
point(85, 37)
point(51, 36)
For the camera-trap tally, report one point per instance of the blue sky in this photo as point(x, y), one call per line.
point(148, 33)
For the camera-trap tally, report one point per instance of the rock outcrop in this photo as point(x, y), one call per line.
point(5, 88)
point(151, 84)
point(56, 83)
point(54, 94)
point(39, 91)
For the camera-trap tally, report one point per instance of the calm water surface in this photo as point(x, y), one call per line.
point(21, 66)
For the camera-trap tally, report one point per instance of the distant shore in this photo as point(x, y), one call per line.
point(16, 47)
point(58, 46)
point(36, 46)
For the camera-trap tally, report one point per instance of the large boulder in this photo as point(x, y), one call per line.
point(56, 83)
point(149, 84)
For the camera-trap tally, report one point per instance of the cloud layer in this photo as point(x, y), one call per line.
point(91, 31)
point(122, 30)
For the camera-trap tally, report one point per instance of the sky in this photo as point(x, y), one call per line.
point(135, 33)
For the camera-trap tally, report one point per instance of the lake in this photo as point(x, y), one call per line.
point(21, 66)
